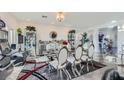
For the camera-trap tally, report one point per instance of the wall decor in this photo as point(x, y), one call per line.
point(2, 24)
point(53, 35)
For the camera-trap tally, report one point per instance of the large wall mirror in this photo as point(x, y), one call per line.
point(53, 35)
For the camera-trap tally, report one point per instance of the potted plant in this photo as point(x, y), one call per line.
point(30, 28)
point(19, 31)
point(85, 38)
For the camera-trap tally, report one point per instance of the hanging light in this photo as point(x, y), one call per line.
point(60, 16)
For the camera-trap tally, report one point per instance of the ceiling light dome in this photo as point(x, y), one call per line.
point(60, 16)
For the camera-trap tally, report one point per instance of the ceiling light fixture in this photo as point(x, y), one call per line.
point(60, 16)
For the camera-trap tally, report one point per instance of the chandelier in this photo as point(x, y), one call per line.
point(60, 16)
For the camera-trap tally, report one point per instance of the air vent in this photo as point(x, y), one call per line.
point(44, 16)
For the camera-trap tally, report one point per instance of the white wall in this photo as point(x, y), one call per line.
point(11, 24)
point(95, 32)
point(120, 38)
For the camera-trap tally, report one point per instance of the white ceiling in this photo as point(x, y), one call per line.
point(75, 19)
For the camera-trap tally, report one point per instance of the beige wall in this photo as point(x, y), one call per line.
point(43, 30)
point(11, 25)
point(10, 20)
